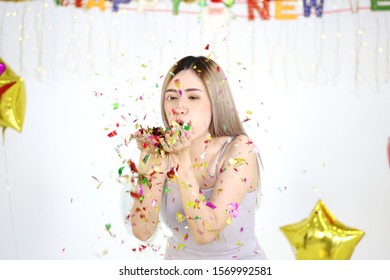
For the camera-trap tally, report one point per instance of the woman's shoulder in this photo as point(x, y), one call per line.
point(240, 146)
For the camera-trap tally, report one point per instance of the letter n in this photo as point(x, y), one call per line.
point(253, 5)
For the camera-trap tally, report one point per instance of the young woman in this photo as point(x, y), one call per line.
point(205, 182)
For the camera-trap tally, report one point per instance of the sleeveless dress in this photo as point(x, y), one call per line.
point(236, 241)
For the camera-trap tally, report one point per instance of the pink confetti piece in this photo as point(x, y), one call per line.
point(209, 204)
point(233, 209)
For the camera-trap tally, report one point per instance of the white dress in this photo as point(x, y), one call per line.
point(236, 241)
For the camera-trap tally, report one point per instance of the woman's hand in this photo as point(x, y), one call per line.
point(147, 142)
point(177, 140)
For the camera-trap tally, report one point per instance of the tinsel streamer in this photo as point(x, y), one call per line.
point(21, 40)
point(337, 63)
point(9, 196)
point(320, 68)
point(2, 19)
point(376, 52)
point(39, 30)
point(285, 56)
point(72, 56)
point(358, 45)
point(271, 54)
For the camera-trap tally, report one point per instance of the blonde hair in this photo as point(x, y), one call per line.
point(225, 120)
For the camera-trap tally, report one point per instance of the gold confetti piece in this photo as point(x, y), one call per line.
point(177, 83)
point(180, 246)
point(143, 65)
point(99, 185)
point(179, 217)
point(192, 204)
point(229, 220)
point(238, 243)
point(184, 185)
point(236, 162)
point(249, 112)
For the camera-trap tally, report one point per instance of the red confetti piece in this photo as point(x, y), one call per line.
point(207, 47)
point(112, 134)
point(132, 166)
point(135, 195)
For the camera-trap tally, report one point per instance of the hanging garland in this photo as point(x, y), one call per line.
point(284, 10)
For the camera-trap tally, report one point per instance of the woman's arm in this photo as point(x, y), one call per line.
point(239, 175)
point(148, 195)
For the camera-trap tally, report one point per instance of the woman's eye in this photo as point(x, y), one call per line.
point(170, 98)
point(193, 97)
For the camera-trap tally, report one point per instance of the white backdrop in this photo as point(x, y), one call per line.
point(316, 90)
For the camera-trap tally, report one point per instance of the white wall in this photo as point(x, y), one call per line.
point(318, 90)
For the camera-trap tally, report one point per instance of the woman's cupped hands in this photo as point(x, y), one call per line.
point(158, 140)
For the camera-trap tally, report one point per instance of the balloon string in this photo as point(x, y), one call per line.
point(9, 197)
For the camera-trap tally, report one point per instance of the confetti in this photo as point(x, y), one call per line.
point(120, 170)
point(145, 159)
point(179, 217)
point(112, 134)
point(233, 209)
point(132, 166)
point(212, 206)
point(207, 47)
point(236, 162)
point(116, 105)
point(192, 204)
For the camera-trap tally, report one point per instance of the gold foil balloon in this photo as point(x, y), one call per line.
point(321, 236)
point(12, 98)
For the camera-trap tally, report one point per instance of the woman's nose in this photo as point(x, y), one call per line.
point(181, 108)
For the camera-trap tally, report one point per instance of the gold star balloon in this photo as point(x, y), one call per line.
point(12, 98)
point(321, 236)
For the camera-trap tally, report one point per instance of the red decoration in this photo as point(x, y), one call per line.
point(264, 11)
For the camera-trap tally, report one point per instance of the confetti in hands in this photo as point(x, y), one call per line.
point(153, 139)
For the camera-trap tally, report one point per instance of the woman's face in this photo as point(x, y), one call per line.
point(186, 100)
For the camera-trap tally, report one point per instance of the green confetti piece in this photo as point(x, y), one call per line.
point(167, 189)
point(141, 198)
point(197, 218)
point(145, 160)
point(116, 105)
point(120, 170)
point(224, 127)
point(187, 127)
point(144, 181)
point(108, 226)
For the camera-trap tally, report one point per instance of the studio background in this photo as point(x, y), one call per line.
point(314, 93)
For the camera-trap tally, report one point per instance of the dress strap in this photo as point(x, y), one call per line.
point(222, 152)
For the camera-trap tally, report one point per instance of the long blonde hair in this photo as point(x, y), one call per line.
point(225, 120)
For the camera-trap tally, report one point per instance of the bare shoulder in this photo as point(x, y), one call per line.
point(241, 147)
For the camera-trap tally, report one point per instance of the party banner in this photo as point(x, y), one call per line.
point(257, 9)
